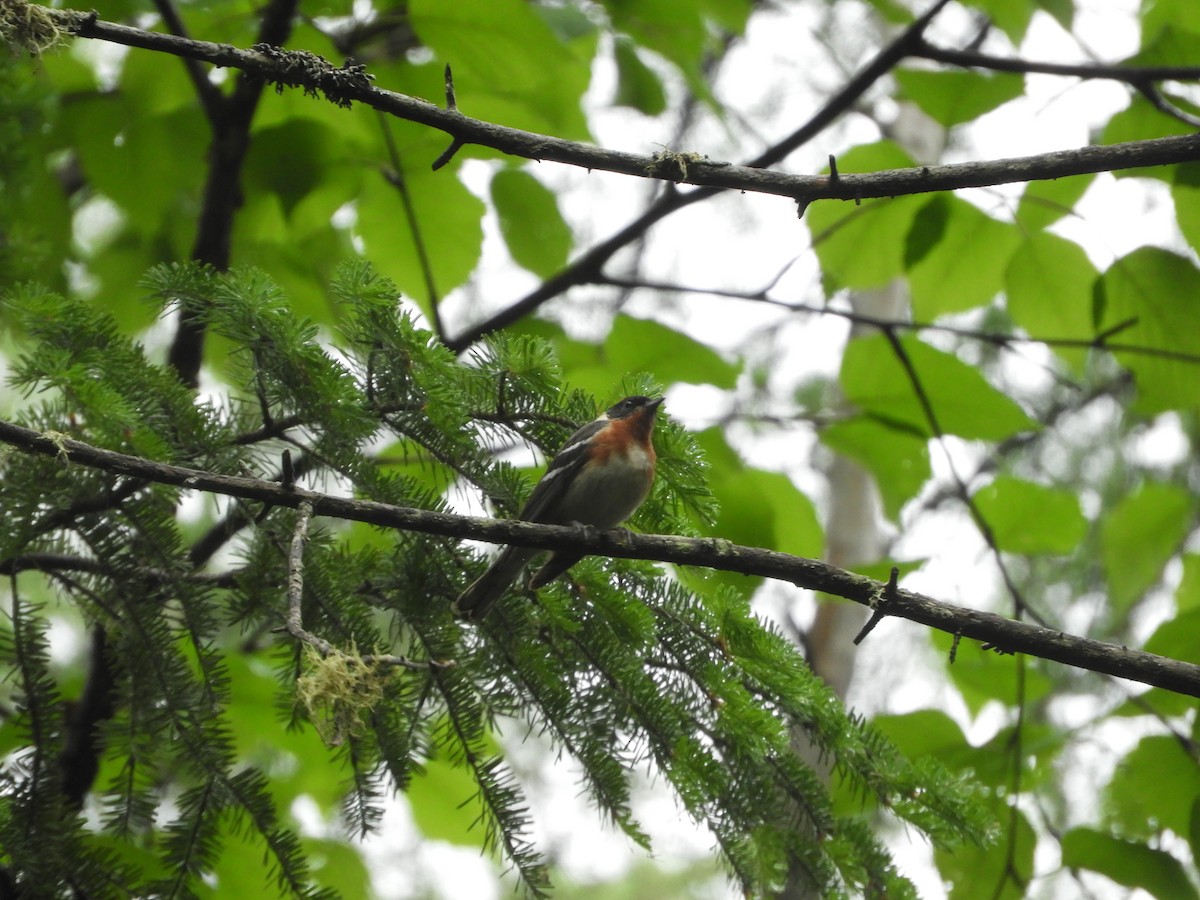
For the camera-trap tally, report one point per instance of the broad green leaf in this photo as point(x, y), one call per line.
point(1062, 10)
point(1153, 788)
point(997, 871)
point(877, 382)
point(450, 220)
point(298, 760)
point(898, 458)
point(679, 32)
point(1176, 637)
point(300, 264)
point(1159, 292)
point(892, 11)
point(291, 159)
point(637, 84)
point(863, 245)
point(1049, 288)
point(951, 98)
point(1186, 194)
point(1139, 535)
point(928, 227)
point(444, 804)
point(1039, 745)
point(634, 345)
point(509, 65)
point(1169, 15)
point(923, 732)
point(123, 150)
point(966, 267)
point(1010, 16)
point(1128, 863)
point(338, 866)
point(1030, 518)
point(1138, 122)
point(730, 15)
point(983, 676)
point(1045, 202)
point(1194, 828)
point(1187, 595)
point(757, 508)
point(537, 237)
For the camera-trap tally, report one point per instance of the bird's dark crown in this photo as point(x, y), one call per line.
point(630, 405)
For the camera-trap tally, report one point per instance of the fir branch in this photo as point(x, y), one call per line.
point(1005, 634)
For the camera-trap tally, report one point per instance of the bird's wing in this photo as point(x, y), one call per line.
point(559, 474)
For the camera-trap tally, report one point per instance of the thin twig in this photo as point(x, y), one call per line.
point(1021, 607)
point(295, 592)
point(395, 177)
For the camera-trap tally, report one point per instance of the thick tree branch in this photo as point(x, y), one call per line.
point(344, 86)
point(1004, 634)
point(230, 119)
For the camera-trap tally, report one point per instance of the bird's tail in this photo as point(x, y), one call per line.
point(478, 599)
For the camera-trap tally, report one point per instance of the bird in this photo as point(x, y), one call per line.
point(598, 479)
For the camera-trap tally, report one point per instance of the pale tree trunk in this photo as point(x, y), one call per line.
point(853, 528)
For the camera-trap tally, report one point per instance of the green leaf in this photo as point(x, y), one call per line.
point(863, 246)
point(896, 457)
point(1128, 863)
point(997, 871)
point(450, 219)
point(1160, 293)
point(757, 508)
point(1031, 518)
point(1045, 202)
point(1049, 288)
point(1167, 16)
point(1062, 10)
point(1194, 828)
point(680, 32)
point(638, 85)
point(966, 267)
point(291, 159)
point(1186, 195)
point(338, 867)
point(444, 805)
point(1153, 788)
point(892, 11)
point(1010, 16)
point(1187, 595)
point(1176, 637)
point(876, 381)
point(984, 676)
point(1139, 535)
point(923, 732)
point(951, 98)
point(633, 345)
point(1138, 122)
point(537, 237)
point(509, 65)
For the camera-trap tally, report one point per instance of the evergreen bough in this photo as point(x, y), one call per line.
point(618, 665)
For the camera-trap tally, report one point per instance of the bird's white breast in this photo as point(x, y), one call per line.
point(605, 496)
